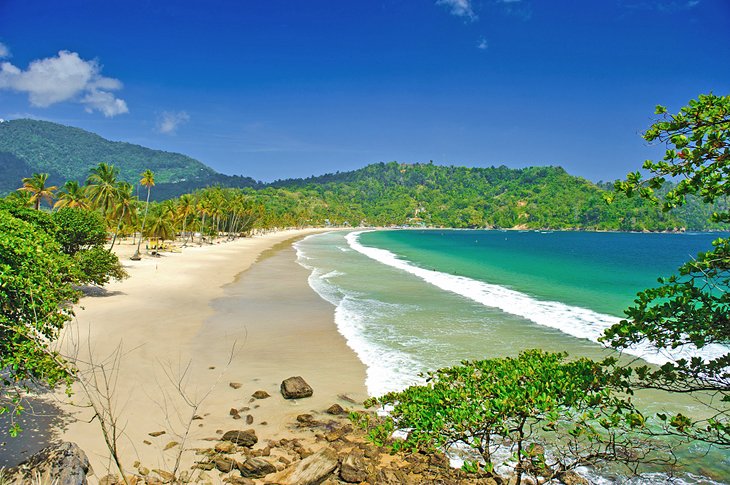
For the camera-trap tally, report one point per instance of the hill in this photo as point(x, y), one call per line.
point(533, 197)
point(380, 194)
point(68, 153)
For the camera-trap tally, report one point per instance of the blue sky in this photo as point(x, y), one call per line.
point(273, 89)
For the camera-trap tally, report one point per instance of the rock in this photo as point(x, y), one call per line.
point(234, 480)
point(233, 412)
point(306, 419)
point(309, 471)
point(249, 419)
point(236, 416)
point(261, 394)
point(225, 447)
point(225, 464)
point(242, 438)
point(347, 398)
point(335, 410)
point(204, 465)
point(144, 471)
point(353, 469)
point(171, 444)
point(338, 433)
point(165, 475)
point(146, 442)
point(61, 464)
point(235, 385)
point(295, 388)
point(572, 478)
point(155, 434)
point(439, 460)
point(256, 468)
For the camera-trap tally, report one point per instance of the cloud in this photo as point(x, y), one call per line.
point(4, 51)
point(169, 121)
point(65, 77)
point(460, 8)
point(482, 44)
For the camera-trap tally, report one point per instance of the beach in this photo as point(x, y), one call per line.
point(189, 337)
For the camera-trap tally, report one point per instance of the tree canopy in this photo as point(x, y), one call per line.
point(690, 310)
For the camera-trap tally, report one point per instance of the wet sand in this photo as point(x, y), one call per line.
point(183, 327)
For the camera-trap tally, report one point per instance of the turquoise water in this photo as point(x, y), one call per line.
point(412, 301)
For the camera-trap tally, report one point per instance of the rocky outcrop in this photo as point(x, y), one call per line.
point(255, 467)
point(242, 438)
point(61, 464)
point(309, 471)
point(295, 388)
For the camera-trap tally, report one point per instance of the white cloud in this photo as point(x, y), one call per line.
point(460, 8)
point(169, 121)
point(65, 77)
point(4, 51)
point(482, 44)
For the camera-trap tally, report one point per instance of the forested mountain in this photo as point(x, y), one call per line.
point(378, 194)
point(68, 153)
point(533, 197)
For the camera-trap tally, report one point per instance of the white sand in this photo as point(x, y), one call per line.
point(162, 321)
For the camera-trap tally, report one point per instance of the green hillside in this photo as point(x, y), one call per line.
point(68, 153)
point(533, 197)
point(378, 194)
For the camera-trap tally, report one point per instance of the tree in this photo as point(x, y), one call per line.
point(82, 235)
point(147, 180)
point(690, 310)
point(125, 207)
point(553, 415)
point(72, 195)
point(36, 186)
point(34, 306)
point(101, 186)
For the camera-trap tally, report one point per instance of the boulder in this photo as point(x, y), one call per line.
point(61, 464)
point(353, 469)
point(225, 447)
point(261, 394)
point(256, 468)
point(225, 464)
point(295, 388)
point(309, 471)
point(335, 410)
point(245, 438)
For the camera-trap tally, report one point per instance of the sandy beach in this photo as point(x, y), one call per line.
point(182, 328)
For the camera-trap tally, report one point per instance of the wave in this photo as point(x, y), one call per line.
point(355, 317)
point(578, 322)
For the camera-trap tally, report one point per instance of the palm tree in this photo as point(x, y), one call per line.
point(124, 205)
point(72, 195)
point(161, 224)
point(185, 208)
point(101, 186)
point(147, 180)
point(36, 186)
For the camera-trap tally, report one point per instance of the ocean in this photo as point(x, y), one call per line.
point(411, 301)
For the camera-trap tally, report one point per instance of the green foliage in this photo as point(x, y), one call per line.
point(97, 266)
point(78, 229)
point(691, 308)
point(35, 292)
point(68, 153)
point(552, 414)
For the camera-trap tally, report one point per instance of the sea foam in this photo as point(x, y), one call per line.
point(386, 369)
point(575, 321)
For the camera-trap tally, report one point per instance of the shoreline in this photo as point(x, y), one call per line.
point(164, 339)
